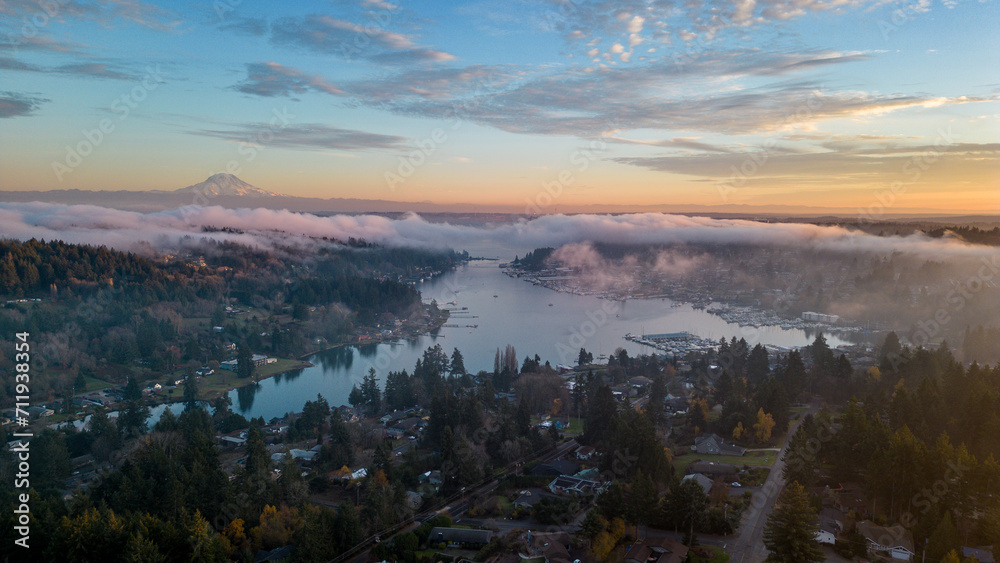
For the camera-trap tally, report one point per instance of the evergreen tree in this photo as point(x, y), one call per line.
point(244, 361)
point(457, 366)
point(790, 532)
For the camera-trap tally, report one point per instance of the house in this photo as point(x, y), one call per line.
point(640, 381)
point(712, 469)
point(980, 554)
point(566, 484)
point(585, 452)
point(847, 498)
point(656, 550)
point(713, 444)
point(893, 541)
point(552, 547)
point(232, 441)
point(302, 455)
point(460, 537)
point(393, 417)
point(826, 536)
point(554, 468)
point(431, 478)
point(676, 404)
point(530, 497)
point(705, 482)
point(40, 412)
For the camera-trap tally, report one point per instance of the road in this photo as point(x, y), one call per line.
point(749, 546)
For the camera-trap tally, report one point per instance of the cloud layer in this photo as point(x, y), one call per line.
point(263, 227)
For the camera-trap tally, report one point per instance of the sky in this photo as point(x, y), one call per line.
point(551, 104)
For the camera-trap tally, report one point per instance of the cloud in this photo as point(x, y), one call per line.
point(574, 101)
point(690, 143)
point(13, 104)
point(7, 63)
point(86, 70)
point(95, 70)
point(106, 12)
point(411, 56)
point(264, 227)
point(307, 136)
point(42, 43)
point(854, 163)
point(254, 27)
point(271, 79)
point(327, 35)
point(371, 40)
point(707, 20)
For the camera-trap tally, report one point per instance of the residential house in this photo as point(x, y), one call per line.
point(847, 498)
point(714, 444)
point(460, 537)
point(431, 478)
point(585, 452)
point(232, 442)
point(826, 536)
point(980, 554)
point(530, 497)
point(305, 456)
point(713, 469)
point(553, 547)
point(893, 541)
point(40, 412)
point(554, 468)
point(656, 550)
point(567, 484)
point(705, 482)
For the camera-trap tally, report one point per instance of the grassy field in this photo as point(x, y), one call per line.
point(94, 384)
point(753, 459)
point(575, 426)
point(719, 555)
point(223, 381)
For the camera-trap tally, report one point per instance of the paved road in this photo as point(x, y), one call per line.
point(748, 547)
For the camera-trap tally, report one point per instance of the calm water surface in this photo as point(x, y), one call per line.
point(504, 310)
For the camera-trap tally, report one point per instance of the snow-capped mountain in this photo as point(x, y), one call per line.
point(227, 185)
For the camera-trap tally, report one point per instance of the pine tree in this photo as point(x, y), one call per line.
point(790, 532)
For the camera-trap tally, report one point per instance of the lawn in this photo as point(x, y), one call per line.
point(719, 555)
point(223, 381)
point(753, 459)
point(575, 426)
point(94, 384)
